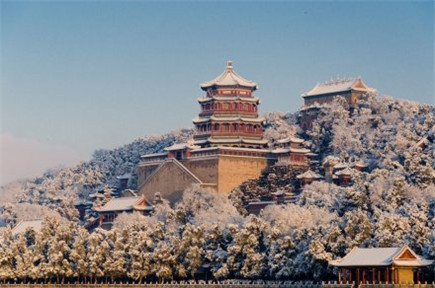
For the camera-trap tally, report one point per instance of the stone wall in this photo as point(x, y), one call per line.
point(234, 170)
point(170, 180)
point(204, 168)
point(144, 171)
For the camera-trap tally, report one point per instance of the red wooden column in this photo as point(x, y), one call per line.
point(357, 276)
point(339, 275)
point(373, 275)
point(387, 275)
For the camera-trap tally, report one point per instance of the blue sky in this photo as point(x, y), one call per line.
point(84, 75)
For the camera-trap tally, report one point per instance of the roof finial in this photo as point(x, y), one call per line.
point(229, 65)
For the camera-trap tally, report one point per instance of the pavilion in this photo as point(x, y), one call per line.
point(387, 265)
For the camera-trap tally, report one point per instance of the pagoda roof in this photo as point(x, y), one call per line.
point(236, 140)
point(229, 78)
point(228, 119)
point(395, 256)
point(337, 86)
point(291, 149)
point(228, 98)
point(253, 141)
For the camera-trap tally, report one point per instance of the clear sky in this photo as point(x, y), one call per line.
point(76, 76)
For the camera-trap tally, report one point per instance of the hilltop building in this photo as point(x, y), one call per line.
point(349, 89)
point(227, 147)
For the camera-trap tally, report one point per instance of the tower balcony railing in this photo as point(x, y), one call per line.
point(228, 112)
point(229, 92)
point(229, 133)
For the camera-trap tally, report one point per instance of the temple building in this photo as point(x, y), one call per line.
point(290, 152)
point(227, 147)
point(350, 89)
point(116, 206)
point(386, 265)
point(229, 113)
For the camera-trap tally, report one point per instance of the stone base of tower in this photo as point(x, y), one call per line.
point(221, 169)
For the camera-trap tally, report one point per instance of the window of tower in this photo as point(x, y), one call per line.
point(255, 108)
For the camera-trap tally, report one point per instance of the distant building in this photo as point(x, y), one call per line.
point(291, 152)
point(116, 206)
point(349, 89)
point(387, 265)
point(308, 177)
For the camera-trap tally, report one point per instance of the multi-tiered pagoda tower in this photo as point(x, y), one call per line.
point(229, 113)
point(227, 148)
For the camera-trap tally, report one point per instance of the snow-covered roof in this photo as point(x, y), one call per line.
point(154, 155)
point(290, 149)
point(380, 257)
point(178, 146)
point(291, 140)
point(229, 78)
point(361, 164)
point(340, 166)
point(331, 160)
point(217, 141)
point(124, 176)
point(229, 148)
point(121, 204)
point(345, 172)
point(253, 141)
point(309, 175)
point(337, 86)
point(228, 119)
point(23, 225)
point(227, 98)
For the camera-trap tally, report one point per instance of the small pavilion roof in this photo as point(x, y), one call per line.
point(346, 172)
point(123, 204)
point(397, 256)
point(337, 86)
point(229, 78)
point(309, 175)
point(23, 225)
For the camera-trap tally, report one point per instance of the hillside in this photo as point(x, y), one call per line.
point(391, 203)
